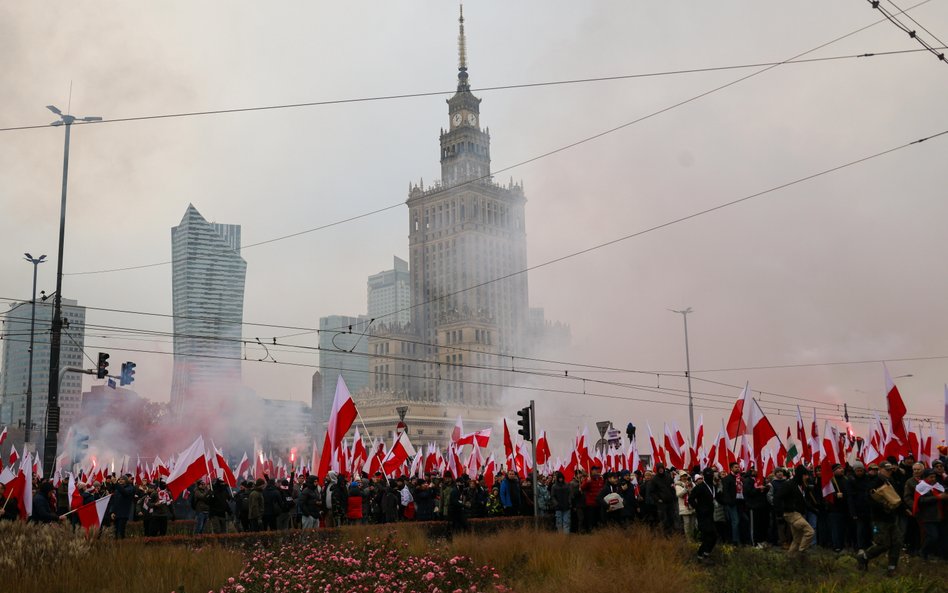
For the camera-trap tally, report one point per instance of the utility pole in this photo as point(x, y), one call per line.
point(36, 261)
point(55, 341)
point(691, 403)
point(536, 472)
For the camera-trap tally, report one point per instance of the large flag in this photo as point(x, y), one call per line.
point(399, 453)
point(15, 484)
point(736, 425)
point(479, 437)
point(75, 497)
point(508, 444)
point(228, 475)
point(92, 514)
point(244, 466)
point(673, 450)
point(458, 430)
point(760, 427)
point(341, 417)
point(543, 449)
point(190, 467)
point(896, 408)
point(827, 460)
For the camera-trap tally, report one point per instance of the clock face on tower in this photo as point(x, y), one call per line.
point(456, 120)
point(472, 119)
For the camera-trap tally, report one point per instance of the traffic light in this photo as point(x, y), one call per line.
point(525, 424)
point(103, 370)
point(128, 373)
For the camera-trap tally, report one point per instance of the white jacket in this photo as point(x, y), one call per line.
point(681, 491)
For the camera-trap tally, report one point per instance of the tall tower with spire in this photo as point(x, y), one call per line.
point(467, 243)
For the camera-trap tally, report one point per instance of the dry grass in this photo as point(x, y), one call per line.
point(549, 562)
point(52, 559)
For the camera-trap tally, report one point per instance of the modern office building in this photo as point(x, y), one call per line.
point(208, 276)
point(343, 350)
point(389, 295)
point(16, 364)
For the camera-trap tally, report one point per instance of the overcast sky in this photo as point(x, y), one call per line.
point(847, 267)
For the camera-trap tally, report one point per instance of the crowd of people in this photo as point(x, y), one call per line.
point(870, 511)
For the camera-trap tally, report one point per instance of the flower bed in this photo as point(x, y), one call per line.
point(372, 566)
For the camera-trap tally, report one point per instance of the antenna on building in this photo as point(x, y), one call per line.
point(462, 54)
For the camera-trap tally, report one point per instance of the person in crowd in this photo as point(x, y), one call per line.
point(122, 504)
point(219, 506)
point(255, 505)
point(424, 502)
point(702, 500)
point(590, 488)
point(286, 506)
point(755, 504)
point(683, 488)
point(792, 499)
point(859, 512)
point(561, 497)
point(43, 512)
point(10, 510)
point(475, 499)
point(629, 488)
point(272, 505)
point(928, 508)
point(781, 531)
point(390, 499)
point(837, 508)
point(610, 501)
point(886, 513)
point(577, 518)
point(242, 506)
point(454, 505)
point(662, 492)
point(354, 504)
point(310, 503)
point(912, 532)
point(494, 507)
point(161, 509)
point(200, 502)
point(731, 497)
point(511, 495)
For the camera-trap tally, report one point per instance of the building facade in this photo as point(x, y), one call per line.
point(16, 364)
point(467, 246)
point(208, 276)
point(389, 295)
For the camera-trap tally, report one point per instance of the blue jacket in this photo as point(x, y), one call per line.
point(510, 493)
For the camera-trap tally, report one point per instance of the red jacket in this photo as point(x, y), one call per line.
point(354, 510)
point(591, 488)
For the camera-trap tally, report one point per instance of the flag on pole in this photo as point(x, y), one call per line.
point(190, 467)
point(341, 418)
point(399, 453)
point(897, 408)
point(92, 514)
point(736, 424)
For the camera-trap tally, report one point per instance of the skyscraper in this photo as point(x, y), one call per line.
point(467, 245)
point(389, 295)
point(208, 276)
point(343, 348)
point(16, 355)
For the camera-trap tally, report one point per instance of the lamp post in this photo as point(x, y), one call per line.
point(55, 341)
point(691, 403)
point(36, 261)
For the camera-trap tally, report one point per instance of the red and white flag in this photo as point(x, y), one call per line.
point(341, 418)
point(244, 466)
point(924, 488)
point(736, 424)
point(897, 409)
point(75, 497)
point(543, 449)
point(92, 514)
point(458, 431)
point(479, 437)
point(190, 467)
point(227, 475)
point(3, 435)
point(13, 455)
point(827, 460)
point(399, 453)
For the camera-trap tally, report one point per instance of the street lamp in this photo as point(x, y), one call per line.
point(55, 341)
point(691, 403)
point(36, 261)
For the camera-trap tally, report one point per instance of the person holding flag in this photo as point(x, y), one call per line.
point(928, 509)
point(122, 503)
point(889, 534)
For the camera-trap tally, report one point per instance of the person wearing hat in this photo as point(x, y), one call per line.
point(686, 511)
point(889, 535)
point(662, 493)
point(792, 499)
point(838, 508)
point(610, 500)
point(701, 500)
point(912, 528)
point(782, 530)
point(121, 504)
point(311, 503)
point(590, 488)
point(255, 505)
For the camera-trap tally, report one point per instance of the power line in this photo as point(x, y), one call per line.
point(489, 175)
point(876, 4)
point(416, 95)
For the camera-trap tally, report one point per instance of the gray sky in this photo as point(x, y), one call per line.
point(846, 267)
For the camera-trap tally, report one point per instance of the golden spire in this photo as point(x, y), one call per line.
point(462, 54)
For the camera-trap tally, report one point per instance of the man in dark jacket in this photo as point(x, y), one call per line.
point(662, 491)
point(200, 504)
point(701, 500)
point(731, 497)
point(272, 505)
point(610, 508)
point(792, 499)
point(42, 510)
point(310, 503)
point(755, 501)
point(561, 495)
point(886, 523)
point(859, 512)
point(927, 504)
point(219, 506)
point(122, 503)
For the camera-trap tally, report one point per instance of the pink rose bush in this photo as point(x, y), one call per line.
point(372, 566)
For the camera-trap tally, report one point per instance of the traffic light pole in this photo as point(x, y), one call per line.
point(536, 473)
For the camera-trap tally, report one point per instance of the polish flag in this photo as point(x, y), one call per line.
point(417, 467)
point(735, 423)
point(341, 417)
point(827, 460)
point(657, 457)
point(359, 453)
point(26, 501)
point(244, 466)
point(92, 514)
point(15, 488)
point(3, 435)
point(479, 437)
point(398, 454)
point(673, 450)
point(896, 408)
point(458, 431)
point(745, 453)
point(75, 497)
point(924, 488)
point(805, 450)
point(13, 455)
point(229, 476)
point(760, 427)
point(374, 462)
point(490, 468)
point(816, 445)
point(190, 467)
